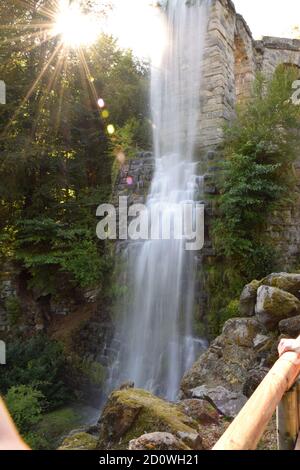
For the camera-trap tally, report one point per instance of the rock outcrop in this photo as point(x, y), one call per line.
point(238, 360)
point(217, 386)
point(131, 413)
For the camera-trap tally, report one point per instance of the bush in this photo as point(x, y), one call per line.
point(25, 406)
point(39, 363)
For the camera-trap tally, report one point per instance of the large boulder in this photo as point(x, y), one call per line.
point(132, 413)
point(228, 403)
point(248, 299)
point(290, 327)
point(242, 331)
point(274, 305)
point(229, 357)
point(284, 281)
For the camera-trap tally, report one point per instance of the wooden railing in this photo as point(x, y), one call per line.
point(280, 390)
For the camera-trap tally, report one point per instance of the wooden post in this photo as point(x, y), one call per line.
point(246, 430)
point(288, 420)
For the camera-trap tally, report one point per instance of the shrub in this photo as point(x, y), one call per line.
point(25, 406)
point(39, 363)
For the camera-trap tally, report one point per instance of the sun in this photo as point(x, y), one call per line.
point(75, 27)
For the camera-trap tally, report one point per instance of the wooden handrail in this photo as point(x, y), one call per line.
point(246, 430)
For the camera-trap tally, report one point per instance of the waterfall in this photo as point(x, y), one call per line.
point(155, 325)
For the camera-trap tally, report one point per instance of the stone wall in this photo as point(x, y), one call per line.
point(231, 61)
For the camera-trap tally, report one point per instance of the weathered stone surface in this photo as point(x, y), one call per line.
point(227, 402)
point(200, 410)
point(225, 363)
point(248, 299)
point(242, 331)
point(157, 441)
point(262, 343)
point(255, 377)
point(274, 305)
point(131, 413)
point(290, 327)
point(80, 441)
point(285, 281)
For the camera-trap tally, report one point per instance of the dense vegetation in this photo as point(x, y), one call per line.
point(56, 153)
point(57, 164)
point(257, 178)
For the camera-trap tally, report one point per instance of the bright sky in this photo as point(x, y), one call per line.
point(270, 17)
point(134, 23)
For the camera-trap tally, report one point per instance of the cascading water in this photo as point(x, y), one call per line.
point(155, 330)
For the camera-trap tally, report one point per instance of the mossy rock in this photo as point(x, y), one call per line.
point(80, 441)
point(132, 413)
point(288, 282)
point(274, 305)
point(248, 299)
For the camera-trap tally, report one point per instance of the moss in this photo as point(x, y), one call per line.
point(56, 424)
point(14, 310)
point(80, 441)
point(133, 412)
point(93, 371)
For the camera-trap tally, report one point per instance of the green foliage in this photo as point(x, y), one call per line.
point(45, 246)
point(258, 173)
point(52, 426)
point(55, 157)
point(14, 310)
point(257, 178)
point(25, 406)
point(124, 143)
point(223, 284)
point(94, 371)
point(230, 311)
point(39, 363)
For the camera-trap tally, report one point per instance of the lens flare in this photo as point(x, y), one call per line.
point(111, 129)
point(101, 103)
point(74, 26)
point(105, 114)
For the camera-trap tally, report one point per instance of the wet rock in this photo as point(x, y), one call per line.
point(228, 403)
point(290, 327)
point(201, 411)
point(274, 305)
point(157, 441)
point(285, 281)
point(80, 441)
point(248, 299)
